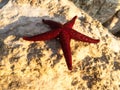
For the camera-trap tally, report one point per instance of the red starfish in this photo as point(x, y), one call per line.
point(65, 33)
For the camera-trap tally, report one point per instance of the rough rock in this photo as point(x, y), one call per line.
point(106, 11)
point(41, 65)
point(3, 3)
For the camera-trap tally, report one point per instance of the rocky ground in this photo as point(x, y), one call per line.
point(41, 65)
point(106, 11)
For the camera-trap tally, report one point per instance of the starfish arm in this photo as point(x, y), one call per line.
point(44, 36)
point(65, 43)
point(52, 24)
point(71, 22)
point(81, 37)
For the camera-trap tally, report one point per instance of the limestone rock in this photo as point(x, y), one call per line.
point(106, 11)
point(41, 65)
point(3, 3)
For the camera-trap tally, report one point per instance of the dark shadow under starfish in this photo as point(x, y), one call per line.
point(65, 33)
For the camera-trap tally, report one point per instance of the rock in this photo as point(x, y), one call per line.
point(106, 11)
point(41, 65)
point(3, 3)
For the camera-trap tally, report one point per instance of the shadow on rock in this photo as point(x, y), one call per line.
point(29, 26)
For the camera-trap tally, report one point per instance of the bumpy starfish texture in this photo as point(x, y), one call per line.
point(65, 33)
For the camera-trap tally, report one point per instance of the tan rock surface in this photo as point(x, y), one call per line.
point(41, 65)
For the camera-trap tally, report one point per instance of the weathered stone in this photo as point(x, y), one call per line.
point(106, 11)
point(41, 65)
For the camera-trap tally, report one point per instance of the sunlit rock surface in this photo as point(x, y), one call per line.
point(41, 65)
